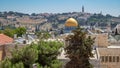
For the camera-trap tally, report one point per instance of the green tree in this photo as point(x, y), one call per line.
point(44, 55)
point(79, 49)
point(27, 55)
point(20, 31)
point(0, 31)
point(48, 52)
point(18, 65)
point(43, 35)
point(33, 14)
point(6, 63)
point(9, 32)
point(56, 64)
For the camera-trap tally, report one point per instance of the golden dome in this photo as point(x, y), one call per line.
point(71, 22)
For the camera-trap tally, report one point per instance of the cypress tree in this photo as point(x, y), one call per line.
point(78, 49)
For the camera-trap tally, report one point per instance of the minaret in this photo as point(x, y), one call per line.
point(83, 9)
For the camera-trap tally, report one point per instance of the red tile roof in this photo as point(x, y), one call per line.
point(5, 39)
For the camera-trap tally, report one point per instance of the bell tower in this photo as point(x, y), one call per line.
point(83, 9)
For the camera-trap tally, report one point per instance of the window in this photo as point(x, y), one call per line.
point(102, 59)
point(118, 59)
point(106, 58)
point(110, 59)
point(113, 58)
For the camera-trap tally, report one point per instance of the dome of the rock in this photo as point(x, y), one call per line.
point(71, 22)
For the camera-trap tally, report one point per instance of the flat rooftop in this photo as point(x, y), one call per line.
point(109, 51)
point(113, 46)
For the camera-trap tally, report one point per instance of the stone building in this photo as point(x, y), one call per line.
point(109, 57)
point(101, 40)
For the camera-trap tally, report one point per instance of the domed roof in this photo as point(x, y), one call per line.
point(71, 22)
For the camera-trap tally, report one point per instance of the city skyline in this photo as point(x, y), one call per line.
point(61, 6)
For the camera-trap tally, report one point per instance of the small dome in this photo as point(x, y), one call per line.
point(71, 22)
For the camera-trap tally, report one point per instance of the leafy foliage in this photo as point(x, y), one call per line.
point(27, 55)
point(48, 52)
point(20, 31)
point(56, 64)
point(6, 64)
point(44, 54)
point(10, 32)
point(100, 20)
point(18, 65)
point(43, 35)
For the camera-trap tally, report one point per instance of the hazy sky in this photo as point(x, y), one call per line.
point(59, 6)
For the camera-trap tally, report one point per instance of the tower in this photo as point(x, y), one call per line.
point(101, 12)
point(83, 9)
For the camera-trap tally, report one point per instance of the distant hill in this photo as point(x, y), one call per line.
point(49, 20)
